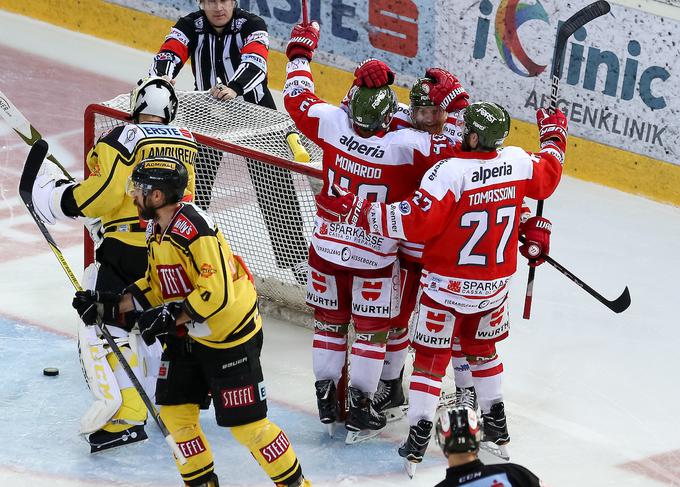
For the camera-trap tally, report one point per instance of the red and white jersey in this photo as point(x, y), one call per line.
point(453, 127)
point(453, 130)
point(381, 168)
point(467, 210)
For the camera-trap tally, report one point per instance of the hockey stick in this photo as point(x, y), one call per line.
point(618, 305)
point(39, 149)
point(28, 133)
point(566, 30)
point(305, 14)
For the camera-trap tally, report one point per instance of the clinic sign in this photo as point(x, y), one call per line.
point(617, 82)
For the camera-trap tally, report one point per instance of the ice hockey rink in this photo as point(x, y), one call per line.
point(592, 397)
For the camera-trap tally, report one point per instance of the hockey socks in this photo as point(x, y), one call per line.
point(182, 422)
point(269, 445)
point(395, 354)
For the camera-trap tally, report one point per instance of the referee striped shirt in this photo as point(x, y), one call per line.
point(238, 56)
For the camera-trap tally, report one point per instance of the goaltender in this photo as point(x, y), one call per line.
point(201, 296)
point(117, 415)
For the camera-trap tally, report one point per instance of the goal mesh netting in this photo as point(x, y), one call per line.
point(247, 181)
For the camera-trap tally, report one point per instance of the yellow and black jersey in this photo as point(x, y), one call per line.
point(111, 161)
point(192, 261)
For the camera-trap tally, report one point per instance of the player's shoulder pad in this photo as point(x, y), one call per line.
point(190, 224)
point(515, 154)
point(122, 138)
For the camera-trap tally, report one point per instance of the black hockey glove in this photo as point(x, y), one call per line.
point(159, 321)
point(93, 305)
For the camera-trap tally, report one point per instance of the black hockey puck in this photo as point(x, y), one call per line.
point(51, 371)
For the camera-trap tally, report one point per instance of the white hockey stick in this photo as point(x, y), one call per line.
point(28, 133)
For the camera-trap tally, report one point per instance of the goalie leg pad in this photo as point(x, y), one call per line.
point(182, 422)
point(272, 450)
point(149, 359)
point(100, 379)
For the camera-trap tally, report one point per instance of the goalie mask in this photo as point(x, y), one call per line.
point(491, 123)
point(154, 96)
point(163, 173)
point(372, 108)
point(458, 430)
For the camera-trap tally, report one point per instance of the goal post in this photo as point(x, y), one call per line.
point(247, 181)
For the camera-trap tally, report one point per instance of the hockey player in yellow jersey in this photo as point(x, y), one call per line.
point(201, 297)
point(117, 415)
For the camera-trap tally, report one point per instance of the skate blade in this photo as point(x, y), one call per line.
point(410, 468)
point(330, 428)
point(501, 451)
point(359, 436)
point(395, 414)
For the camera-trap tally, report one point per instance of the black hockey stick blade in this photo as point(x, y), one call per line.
point(618, 305)
point(34, 161)
point(571, 25)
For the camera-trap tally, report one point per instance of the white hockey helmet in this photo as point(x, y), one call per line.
point(154, 96)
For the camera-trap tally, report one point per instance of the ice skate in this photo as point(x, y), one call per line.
point(466, 397)
point(415, 445)
point(105, 440)
point(496, 435)
point(327, 403)
point(389, 399)
point(363, 421)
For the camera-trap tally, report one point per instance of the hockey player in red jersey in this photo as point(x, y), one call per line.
point(466, 211)
point(354, 275)
point(432, 109)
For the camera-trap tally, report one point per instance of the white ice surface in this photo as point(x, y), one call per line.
point(586, 390)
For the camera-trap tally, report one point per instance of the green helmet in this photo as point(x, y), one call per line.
point(420, 94)
point(372, 108)
point(491, 123)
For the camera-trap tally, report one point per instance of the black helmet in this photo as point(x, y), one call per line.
point(458, 430)
point(164, 173)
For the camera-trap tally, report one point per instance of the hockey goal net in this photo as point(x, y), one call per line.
point(247, 181)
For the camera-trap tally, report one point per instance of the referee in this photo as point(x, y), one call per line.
point(228, 48)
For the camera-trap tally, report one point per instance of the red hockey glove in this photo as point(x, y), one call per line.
point(536, 233)
point(345, 207)
point(373, 73)
point(303, 41)
point(552, 131)
point(446, 91)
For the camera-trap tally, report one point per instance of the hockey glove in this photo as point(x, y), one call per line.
point(303, 41)
point(552, 132)
point(344, 207)
point(373, 73)
point(160, 320)
point(536, 233)
point(445, 90)
point(94, 306)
